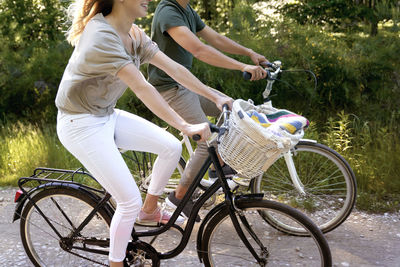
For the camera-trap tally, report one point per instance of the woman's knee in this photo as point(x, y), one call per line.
point(173, 149)
point(130, 208)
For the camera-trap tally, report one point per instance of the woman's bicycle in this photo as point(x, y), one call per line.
point(64, 222)
point(310, 176)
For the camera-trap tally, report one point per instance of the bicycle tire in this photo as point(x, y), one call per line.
point(141, 165)
point(41, 243)
point(327, 180)
point(220, 247)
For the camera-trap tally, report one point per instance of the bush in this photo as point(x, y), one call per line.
point(33, 56)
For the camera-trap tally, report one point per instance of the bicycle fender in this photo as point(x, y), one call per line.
point(21, 203)
point(219, 208)
point(18, 208)
point(308, 140)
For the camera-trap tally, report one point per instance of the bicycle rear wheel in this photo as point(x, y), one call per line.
point(141, 166)
point(222, 247)
point(65, 209)
point(327, 181)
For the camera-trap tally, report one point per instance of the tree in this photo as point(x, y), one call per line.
point(33, 54)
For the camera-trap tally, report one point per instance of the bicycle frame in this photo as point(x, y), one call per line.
point(103, 203)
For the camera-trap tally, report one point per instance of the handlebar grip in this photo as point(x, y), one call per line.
point(246, 75)
point(196, 137)
point(214, 128)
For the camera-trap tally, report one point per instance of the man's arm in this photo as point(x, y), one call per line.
point(227, 45)
point(187, 79)
point(206, 53)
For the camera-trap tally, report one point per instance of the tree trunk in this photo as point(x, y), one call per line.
point(207, 9)
point(374, 28)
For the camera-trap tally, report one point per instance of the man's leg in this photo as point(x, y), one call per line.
point(188, 105)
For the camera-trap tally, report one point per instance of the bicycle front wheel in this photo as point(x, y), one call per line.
point(222, 247)
point(65, 209)
point(325, 189)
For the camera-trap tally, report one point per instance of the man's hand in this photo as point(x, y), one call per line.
point(257, 58)
point(256, 72)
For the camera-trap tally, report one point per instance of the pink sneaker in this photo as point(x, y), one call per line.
point(158, 217)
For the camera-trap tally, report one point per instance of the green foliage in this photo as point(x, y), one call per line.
point(353, 73)
point(32, 57)
point(339, 136)
point(341, 15)
point(30, 80)
point(337, 13)
point(24, 22)
point(25, 146)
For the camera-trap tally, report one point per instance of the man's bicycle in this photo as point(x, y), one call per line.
point(309, 176)
point(65, 215)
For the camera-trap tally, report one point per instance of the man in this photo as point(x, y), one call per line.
point(176, 28)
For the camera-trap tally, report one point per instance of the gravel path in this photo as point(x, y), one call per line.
point(363, 240)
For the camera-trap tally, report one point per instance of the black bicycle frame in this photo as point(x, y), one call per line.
point(229, 203)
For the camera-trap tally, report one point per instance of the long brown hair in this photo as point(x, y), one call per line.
point(80, 12)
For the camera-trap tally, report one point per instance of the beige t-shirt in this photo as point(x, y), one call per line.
point(89, 84)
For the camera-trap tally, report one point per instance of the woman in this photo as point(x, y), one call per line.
point(109, 49)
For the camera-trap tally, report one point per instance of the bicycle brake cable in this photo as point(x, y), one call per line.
point(301, 70)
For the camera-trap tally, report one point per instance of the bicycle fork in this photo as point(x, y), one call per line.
point(230, 200)
point(288, 156)
point(262, 258)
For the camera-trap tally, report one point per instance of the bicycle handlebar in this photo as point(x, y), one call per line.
point(213, 128)
point(271, 67)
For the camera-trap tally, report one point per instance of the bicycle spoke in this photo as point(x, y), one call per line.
point(70, 251)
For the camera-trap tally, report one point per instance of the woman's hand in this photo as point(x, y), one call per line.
point(256, 72)
point(202, 129)
point(223, 99)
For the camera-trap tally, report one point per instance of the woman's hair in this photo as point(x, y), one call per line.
point(80, 12)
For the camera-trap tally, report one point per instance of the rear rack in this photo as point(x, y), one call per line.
point(48, 176)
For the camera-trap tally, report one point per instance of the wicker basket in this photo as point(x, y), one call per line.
point(248, 147)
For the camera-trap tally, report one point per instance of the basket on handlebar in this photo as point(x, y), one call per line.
point(250, 148)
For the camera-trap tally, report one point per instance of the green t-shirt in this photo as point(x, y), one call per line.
point(168, 14)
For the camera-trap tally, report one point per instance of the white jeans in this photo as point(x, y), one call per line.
point(95, 140)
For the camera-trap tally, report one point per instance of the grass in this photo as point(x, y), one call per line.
point(373, 151)
point(25, 146)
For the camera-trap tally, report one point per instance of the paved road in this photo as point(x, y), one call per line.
point(364, 240)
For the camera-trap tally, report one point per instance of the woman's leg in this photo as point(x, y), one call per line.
point(150, 138)
point(91, 140)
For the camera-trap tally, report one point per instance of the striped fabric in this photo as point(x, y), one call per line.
point(286, 120)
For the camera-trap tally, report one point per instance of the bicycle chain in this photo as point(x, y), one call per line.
point(86, 258)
